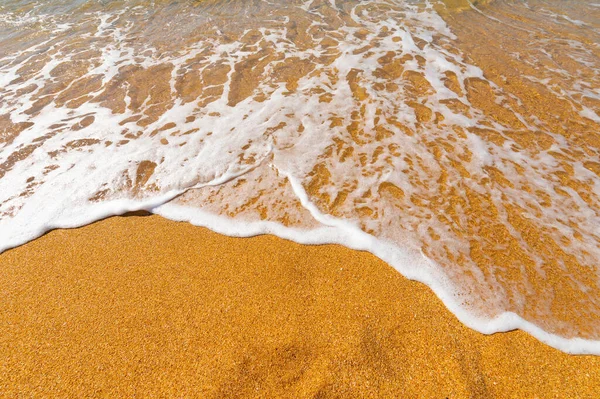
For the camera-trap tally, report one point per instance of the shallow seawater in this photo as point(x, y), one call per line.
point(457, 141)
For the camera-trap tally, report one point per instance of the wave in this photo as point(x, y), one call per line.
point(462, 151)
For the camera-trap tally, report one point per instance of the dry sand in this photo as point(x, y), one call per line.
point(146, 307)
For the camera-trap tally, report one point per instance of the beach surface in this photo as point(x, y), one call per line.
point(141, 306)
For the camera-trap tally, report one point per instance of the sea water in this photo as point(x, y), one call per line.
point(458, 141)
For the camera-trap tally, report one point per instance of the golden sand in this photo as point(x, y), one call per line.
point(146, 307)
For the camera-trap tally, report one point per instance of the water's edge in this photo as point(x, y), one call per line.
point(340, 233)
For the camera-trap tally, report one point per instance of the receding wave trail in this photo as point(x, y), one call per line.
point(462, 148)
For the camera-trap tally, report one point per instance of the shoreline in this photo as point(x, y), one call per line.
point(141, 305)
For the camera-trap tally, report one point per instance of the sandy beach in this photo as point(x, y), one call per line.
point(141, 306)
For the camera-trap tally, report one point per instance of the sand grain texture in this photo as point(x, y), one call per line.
point(146, 307)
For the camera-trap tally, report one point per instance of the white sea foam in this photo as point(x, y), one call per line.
point(415, 268)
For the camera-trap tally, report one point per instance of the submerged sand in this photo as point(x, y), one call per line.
point(147, 307)
point(472, 138)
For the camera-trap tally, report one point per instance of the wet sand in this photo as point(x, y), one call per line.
point(145, 307)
